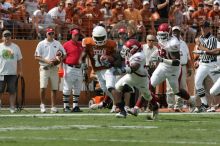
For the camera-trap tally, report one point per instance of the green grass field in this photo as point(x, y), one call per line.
point(99, 128)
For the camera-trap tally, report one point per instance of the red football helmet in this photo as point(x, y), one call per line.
point(163, 32)
point(130, 47)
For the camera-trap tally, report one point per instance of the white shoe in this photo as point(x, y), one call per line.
point(96, 106)
point(113, 110)
point(42, 108)
point(53, 110)
point(212, 109)
point(12, 110)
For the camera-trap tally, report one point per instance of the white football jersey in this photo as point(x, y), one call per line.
point(139, 58)
point(172, 45)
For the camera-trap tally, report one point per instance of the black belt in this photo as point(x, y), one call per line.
point(208, 61)
point(74, 66)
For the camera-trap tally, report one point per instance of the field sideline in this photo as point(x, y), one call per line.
point(99, 128)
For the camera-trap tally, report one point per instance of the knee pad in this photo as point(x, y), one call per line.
point(127, 88)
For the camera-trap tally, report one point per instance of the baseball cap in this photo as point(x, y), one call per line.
point(49, 30)
point(145, 2)
point(176, 28)
point(206, 24)
point(150, 37)
point(6, 32)
point(74, 31)
point(191, 9)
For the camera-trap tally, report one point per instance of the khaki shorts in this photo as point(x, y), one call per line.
point(51, 74)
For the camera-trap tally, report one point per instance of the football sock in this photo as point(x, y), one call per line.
point(75, 100)
point(65, 101)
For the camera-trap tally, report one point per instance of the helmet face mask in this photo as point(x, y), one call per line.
point(99, 35)
point(162, 36)
point(130, 47)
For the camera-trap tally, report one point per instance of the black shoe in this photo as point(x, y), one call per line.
point(76, 109)
point(202, 108)
point(121, 114)
point(67, 109)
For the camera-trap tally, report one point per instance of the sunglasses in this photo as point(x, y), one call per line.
point(151, 40)
point(51, 33)
point(191, 11)
point(119, 4)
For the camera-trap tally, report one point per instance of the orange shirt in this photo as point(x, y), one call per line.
point(116, 13)
point(133, 15)
point(214, 15)
point(146, 15)
point(200, 16)
point(95, 52)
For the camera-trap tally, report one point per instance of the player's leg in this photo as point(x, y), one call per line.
point(67, 87)
point(44, 77)
point(123, 86)
point(170, 96)
point(76, 89)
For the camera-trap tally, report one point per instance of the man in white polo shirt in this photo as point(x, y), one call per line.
point(45, 53)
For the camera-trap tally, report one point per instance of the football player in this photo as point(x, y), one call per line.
point(102, 54)
point(136, 75)
point(169, 62)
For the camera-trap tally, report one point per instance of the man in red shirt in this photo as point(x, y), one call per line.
point(73, 77)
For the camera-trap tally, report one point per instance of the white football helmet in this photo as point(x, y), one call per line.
point(99, 35)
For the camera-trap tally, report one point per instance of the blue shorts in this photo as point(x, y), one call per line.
point(10, 81)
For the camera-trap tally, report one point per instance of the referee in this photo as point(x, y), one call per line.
point(206, 63)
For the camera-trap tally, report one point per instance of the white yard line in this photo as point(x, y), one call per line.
point(93, 114)
point(110, 140)
point(60, 127)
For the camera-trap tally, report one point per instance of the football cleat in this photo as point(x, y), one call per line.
point(76, 109)
point(212, 109)
point(67, 109)
point(201, 108)
point(121, 114)
point(133, 111)
point(113, 110)
point(155, 111)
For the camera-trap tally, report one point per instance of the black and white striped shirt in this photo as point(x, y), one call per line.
point(209, 42)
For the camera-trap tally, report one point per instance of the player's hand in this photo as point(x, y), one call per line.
point(200, 52)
